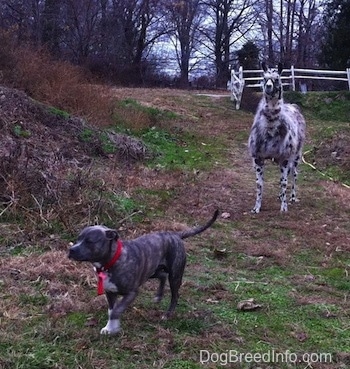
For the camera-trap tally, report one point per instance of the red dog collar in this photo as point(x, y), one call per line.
point(101, 271)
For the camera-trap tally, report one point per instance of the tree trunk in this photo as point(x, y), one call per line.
point(269, 14)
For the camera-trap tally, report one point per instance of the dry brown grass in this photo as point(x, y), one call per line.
point(62, 85)
point(53, 273)
point(57, 83)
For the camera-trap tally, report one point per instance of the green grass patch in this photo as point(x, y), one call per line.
point(187, 326)
point(24, 249)
point(37, 299)
point(328, 125)
point(174, 148)
point(18, 131)
point(77, 320)
point(178, 151)
point(58, 112)
point(86, 135)
point(338, 278)
point(130, 113)
point(118, 205)
point(182, 364)
point(326, 106)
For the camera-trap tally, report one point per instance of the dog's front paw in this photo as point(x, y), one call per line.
point(107, 332)
point(112, 327)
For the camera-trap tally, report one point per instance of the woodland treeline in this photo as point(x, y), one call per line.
point(160, 42)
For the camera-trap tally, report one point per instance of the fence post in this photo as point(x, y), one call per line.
point(236, 85)
point(293, 77)
point(241, 73)
point(240, 87)
point(348, 74)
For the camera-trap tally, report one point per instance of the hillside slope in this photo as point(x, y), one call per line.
point(45, 154)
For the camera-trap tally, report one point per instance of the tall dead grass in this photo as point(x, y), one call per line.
point(57, 83)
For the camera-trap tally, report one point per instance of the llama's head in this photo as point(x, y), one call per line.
point(272, 85)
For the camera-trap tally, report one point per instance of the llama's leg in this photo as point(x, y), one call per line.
point(293, 195)
point(259, 172)
point(283, 183)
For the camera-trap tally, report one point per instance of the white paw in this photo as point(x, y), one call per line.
point(112, 327)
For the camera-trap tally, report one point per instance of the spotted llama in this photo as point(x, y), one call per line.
point(278, 133)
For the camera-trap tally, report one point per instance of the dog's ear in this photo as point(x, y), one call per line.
point(111, 234)
point(264, 66)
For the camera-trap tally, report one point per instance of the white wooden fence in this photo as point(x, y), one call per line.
point(252, 79)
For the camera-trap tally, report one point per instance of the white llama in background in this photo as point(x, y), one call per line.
point(278, 133)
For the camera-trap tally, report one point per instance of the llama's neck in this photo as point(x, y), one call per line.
point(271, 108)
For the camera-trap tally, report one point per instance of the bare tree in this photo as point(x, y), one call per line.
point(269, 26)
point(133, 26)
point(50, 26)
point(307, 35)
point(80, 20)
point(184, 19)
point(287, 43)
point(23, 17)
point(228, 22)
point(116, 38)
point(290, 30)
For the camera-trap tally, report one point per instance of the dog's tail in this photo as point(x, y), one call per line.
point(193, 231)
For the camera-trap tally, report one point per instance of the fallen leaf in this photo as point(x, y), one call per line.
point(220, 253)
point(248, 305)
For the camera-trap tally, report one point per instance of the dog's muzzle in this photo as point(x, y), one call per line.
point(75, 253)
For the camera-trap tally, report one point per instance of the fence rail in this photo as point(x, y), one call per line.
point(245, 79)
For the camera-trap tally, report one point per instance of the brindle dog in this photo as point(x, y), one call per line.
point(124, 266)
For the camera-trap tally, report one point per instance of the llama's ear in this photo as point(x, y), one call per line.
point(111, 234)
point(280, 67)
point(264, 67)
